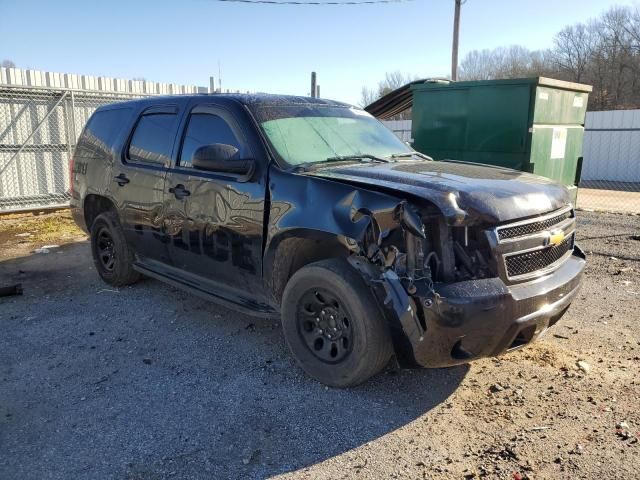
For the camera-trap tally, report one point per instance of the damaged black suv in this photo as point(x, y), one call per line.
point(312, 211)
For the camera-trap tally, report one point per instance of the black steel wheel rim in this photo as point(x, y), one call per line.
point(324, 326)
point(105, 249)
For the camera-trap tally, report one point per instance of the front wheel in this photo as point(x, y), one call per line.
point(333, 325)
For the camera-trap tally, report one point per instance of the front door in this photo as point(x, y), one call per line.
point(215, 220)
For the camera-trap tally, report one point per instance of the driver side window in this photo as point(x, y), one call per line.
point(206, 129)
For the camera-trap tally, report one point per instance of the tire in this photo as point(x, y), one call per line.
point(112, 256)
point(333, 325)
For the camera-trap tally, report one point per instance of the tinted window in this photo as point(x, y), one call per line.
point(102, 132)
point(205, 129)
point(153, 138)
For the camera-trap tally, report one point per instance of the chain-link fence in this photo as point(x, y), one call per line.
point(38, 132)
point(610, 178)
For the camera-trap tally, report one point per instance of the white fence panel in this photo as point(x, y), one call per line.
point(612, 146)
point(402, 128)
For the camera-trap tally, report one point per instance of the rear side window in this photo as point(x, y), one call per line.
point(206, 129)
point(102, 131)
point(152, 138)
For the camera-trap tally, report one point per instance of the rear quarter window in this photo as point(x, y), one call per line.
point(102, 132)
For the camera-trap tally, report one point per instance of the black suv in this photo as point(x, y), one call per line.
point(312, 211)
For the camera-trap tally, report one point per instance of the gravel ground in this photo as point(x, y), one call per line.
point(148, 382)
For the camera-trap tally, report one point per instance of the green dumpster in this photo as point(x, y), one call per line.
point(532, 124)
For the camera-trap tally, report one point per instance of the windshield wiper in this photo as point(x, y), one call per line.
point(361, 156)
point(411, 154)
point(304, 167)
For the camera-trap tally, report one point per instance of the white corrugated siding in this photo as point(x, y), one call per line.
point(37, 78)
point(402, 128)
point(612, 146)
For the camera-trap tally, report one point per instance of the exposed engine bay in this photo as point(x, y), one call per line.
point(423, 248)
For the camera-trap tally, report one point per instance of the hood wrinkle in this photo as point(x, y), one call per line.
point(466, 193)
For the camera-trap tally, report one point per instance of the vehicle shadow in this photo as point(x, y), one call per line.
point(339, 421)
point(150, 382)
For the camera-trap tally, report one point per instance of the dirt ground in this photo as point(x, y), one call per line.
point(147, 382)
point(21, 233)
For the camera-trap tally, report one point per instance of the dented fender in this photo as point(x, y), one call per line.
point(329, 212)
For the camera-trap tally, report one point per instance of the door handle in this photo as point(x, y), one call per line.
point(121, 179)
point(179, 191)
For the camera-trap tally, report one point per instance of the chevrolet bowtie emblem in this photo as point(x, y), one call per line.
point(556, 237)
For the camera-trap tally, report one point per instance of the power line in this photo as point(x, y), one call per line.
point(315, 3)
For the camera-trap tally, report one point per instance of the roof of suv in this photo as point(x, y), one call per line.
point(249, 99)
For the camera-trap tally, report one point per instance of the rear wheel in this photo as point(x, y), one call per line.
point(112, 256)
point(333, 325)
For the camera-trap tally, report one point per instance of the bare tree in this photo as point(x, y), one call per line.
point(391, 82)
point(633, 29)
point(368, 96)
point(573, 48)
point(478, 65)
point(604, 52)
point(8, 64)
point(504, 62)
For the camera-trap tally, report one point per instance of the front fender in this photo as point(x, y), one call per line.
point(315, 204)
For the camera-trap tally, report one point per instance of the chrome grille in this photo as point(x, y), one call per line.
point(532, 227)
point(528, 262)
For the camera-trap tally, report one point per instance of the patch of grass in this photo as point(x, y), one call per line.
point(56, 227)
point(48, 228)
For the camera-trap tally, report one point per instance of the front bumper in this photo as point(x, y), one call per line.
point(459, 322)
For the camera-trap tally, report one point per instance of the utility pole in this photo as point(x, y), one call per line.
point(456, 34)
point(314, 90)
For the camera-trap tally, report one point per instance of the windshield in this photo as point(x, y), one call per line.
point(303, 134)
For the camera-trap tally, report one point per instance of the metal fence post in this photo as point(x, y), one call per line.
point(73, 119)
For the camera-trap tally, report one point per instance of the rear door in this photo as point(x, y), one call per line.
point(215, 220)
point(138, 181)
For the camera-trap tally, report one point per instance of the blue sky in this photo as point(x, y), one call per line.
point(271, 48)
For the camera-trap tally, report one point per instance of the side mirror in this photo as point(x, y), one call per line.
point(220, 157)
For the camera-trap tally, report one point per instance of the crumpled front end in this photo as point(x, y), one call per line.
point(453, 284)
point(454, 294)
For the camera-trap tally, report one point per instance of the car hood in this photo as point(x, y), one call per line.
point(466, 193)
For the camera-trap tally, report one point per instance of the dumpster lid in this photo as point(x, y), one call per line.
point(541, 81)
point(401, 98)
point(552, 82)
